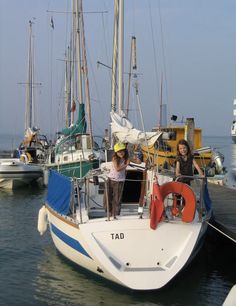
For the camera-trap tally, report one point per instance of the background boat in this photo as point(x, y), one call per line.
point(33, 148)
point(164, 152)
point(75, 152)
point(233, 126)
point(14, 173)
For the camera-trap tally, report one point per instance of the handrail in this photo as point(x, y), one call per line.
point(203, 180)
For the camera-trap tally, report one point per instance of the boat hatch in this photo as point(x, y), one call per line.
point(132, 186)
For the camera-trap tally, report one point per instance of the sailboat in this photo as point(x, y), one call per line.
point(233, 126)
point(153, 237)
point(75, 152)
point(25, 168)
point(34, 147)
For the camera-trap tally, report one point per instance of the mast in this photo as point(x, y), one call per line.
point(73, 66)
point(67, 86)
point(29, 87)
point(85, 70)
point(114, 57)
point(121, 57)
point(132, 66)
point(78, 53)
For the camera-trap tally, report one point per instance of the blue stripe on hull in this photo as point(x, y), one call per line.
point(69, 241)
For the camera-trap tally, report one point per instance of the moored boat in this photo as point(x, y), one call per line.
point(158, 231)
point(34, 145)
point(233, 126)
point(146, 246)
point(164, 152)
point(14, 173)
point(75, 152)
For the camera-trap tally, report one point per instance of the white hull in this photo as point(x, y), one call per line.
point(14, 173)
point(127, 251)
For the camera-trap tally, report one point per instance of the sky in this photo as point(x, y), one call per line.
point(189, 44)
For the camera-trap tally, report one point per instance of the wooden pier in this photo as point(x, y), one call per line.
point(224, 208)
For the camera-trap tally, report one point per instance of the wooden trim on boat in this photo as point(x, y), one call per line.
point(61, 217)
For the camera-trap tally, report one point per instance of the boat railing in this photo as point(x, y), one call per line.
point(198, 185)
point(92, 198)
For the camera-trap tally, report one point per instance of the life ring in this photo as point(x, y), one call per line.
point(26, 157)
point(161, 192)
point(184, 191)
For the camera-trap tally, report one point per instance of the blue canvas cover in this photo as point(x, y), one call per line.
point(207, 199)
point(59, 192)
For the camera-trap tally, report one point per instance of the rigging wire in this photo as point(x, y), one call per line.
point(162, 65)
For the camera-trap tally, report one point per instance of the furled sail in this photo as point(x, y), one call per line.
point(80, 126)
point(124, 131)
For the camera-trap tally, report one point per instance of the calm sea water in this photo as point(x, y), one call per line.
point(33, 273)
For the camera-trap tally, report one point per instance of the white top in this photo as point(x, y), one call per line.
point(118, 176)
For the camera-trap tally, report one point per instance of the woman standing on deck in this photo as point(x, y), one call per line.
point(120, 161)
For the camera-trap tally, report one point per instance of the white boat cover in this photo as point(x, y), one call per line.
point(124, 131)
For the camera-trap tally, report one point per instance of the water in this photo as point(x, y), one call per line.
point(10, 142)
point(33, 273)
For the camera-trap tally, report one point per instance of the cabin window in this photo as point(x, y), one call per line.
point(162, 146)
point(78, 143)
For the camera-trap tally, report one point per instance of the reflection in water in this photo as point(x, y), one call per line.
point(61, 282)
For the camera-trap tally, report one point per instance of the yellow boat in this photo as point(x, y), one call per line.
point(163, 152)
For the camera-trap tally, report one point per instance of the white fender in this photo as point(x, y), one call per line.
point(42, 220)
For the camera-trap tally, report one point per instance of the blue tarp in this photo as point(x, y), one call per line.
point(59, 192)
point(207, 199)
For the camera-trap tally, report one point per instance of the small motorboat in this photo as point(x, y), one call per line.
point(15, 173)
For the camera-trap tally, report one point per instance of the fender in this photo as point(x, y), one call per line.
point(26, 157)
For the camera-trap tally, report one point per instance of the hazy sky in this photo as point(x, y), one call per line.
point(191, 43)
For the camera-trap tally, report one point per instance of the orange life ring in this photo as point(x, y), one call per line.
point(187, 193)
point(159, 195)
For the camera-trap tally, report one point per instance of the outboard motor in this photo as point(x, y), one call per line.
point(218, 160)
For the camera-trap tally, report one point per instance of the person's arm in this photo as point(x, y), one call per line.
point(120, 167)
point(198, 168)
point(135, 160)
point(177, 169)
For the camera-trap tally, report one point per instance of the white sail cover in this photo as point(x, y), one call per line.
point(124, 131)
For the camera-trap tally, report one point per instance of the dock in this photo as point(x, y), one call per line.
point(224, 208)
point(5, 153)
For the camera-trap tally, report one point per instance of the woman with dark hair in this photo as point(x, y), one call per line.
point(185, 162)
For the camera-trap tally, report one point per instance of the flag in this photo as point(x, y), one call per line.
point(157, 207)
point(52, 23)
point(73, 107)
